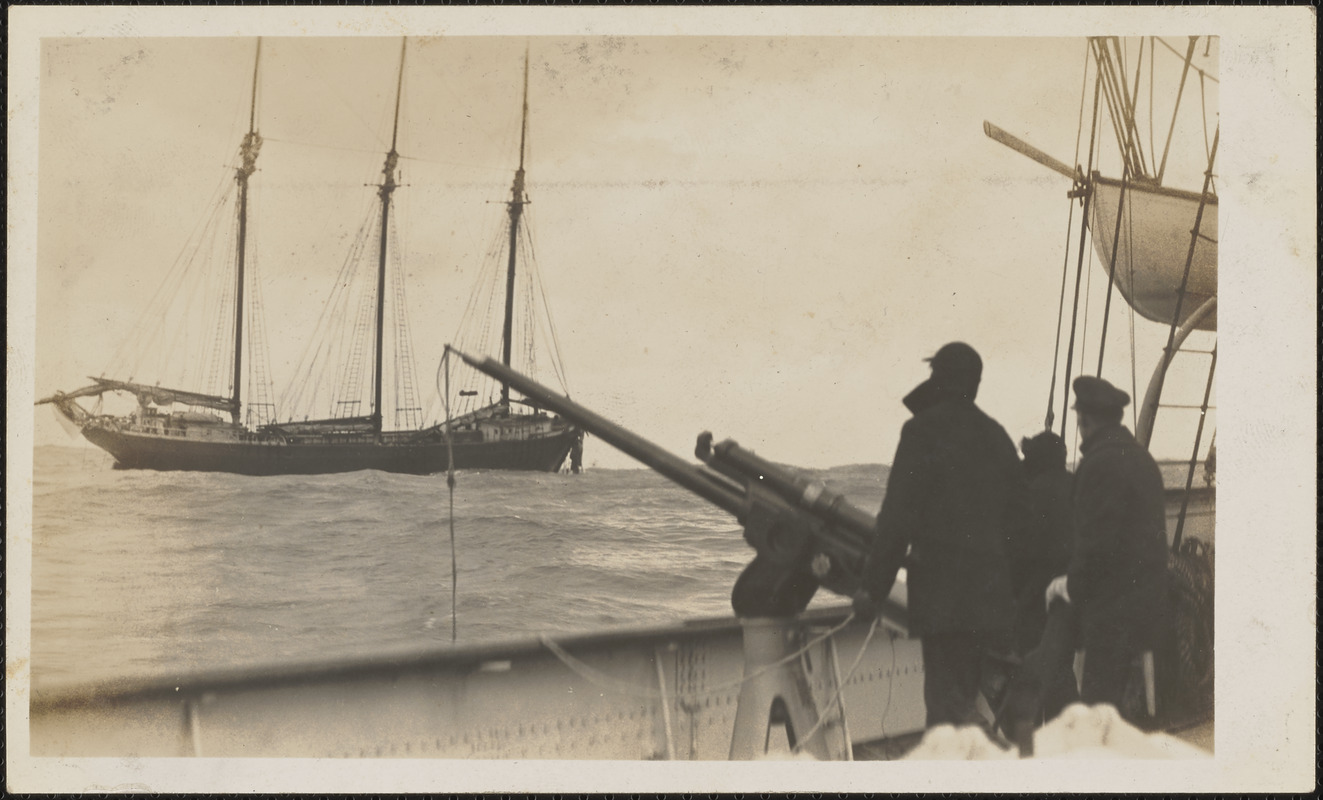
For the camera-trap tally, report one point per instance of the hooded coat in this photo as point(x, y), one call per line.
point(1046, 552)
point(956, 497)
point(1118, 569)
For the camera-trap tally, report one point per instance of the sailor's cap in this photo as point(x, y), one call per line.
point(1098, 396)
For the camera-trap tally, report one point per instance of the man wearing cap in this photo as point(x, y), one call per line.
point(1118, 570)
point(1046, 683)
point(1048, 536)
point(956, 499)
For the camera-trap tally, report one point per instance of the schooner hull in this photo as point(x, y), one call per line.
point(1154, 245)
point(275, 455)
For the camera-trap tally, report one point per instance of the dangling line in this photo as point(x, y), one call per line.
point(1111, 271)
point(1084, 229)
point(1130, 266)
point(450, 482)
point(1203, 112)
point(1061, 311)
point(1084, 336)
point(1065, 259)
point(1152, 148)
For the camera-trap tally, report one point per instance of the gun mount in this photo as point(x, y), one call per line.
point(805, 535)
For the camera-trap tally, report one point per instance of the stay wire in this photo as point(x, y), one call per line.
point(1079, 270)
point(450, 483)
point(1111, 271)
point(1049, 418)
point(1133, 105)
point(1182, 57)
point(1152, 147)
point(1203, 109)
point(558, 362)
point(1134, 378)
point(1084, 329)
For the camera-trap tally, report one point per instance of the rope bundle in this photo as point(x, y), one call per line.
point(1190, 576)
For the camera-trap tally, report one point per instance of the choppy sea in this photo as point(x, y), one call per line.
point(138, 573)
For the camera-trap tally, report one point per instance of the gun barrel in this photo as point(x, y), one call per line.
point(705, 483)
point(811, 495)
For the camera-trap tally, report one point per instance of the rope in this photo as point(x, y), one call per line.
point(1116, 106)
point(840, 687)
point(326, 147)
point(1203, 114)
point(1111, 271)
point(324, 348)
point(129, 356)
point(1152, 147)
point(1079, 269)
point(1084, 328)
point(557, 361)
point(1065, 260)
point(597, 677)
point(1178, 55)
point(1134, 379)
point(1134, 101)
point(1191, 591)
point(450, 482)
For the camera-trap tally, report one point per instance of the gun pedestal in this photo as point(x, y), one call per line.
point(806, 536)
point(783, 694)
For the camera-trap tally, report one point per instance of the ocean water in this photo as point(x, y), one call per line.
point(138, 573)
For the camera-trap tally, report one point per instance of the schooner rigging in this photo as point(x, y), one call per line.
point(159, 436)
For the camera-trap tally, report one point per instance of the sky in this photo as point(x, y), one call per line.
point(758, 236)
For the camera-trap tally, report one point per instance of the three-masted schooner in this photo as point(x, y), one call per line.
point(161, 435)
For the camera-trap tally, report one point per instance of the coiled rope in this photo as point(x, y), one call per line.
point(1190, 588)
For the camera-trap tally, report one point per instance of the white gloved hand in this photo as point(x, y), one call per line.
point(1055, 589)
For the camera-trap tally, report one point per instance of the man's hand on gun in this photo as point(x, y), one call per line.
point(866, 609)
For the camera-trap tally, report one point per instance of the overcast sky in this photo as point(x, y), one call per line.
point(761, 236)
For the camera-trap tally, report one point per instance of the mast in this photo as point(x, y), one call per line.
point(252, 143)
point(384, 191)
point(516, 206)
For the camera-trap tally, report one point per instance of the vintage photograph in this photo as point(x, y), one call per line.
point(420, 396)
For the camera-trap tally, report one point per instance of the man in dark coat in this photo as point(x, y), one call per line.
point(1117, 579)
point(1047, 545)
point(956, 500)
point(1046, 554)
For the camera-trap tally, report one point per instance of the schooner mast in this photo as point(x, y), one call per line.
point(349, 333)
point(388, 186)
point(516, 206)
point(252, 143)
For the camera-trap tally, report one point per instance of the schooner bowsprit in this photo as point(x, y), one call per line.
point(187, 429)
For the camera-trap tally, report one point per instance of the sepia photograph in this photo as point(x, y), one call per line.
point(481, 400)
